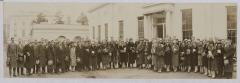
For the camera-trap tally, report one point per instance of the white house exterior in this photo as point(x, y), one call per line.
point(203, 20)
point(110, 15)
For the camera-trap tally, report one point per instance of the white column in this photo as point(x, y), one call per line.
point(152, 29)
point(146, 26)
point(168, 23)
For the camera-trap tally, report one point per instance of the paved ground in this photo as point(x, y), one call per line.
point(123, 74)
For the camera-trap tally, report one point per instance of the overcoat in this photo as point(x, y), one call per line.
point(20, 56)
point(140, 53)
point(94, 56)
point(73, 57)
point(28, 52)
point(42, 55)
point(194, 56)
point(200, 55)
point(12, 53)
point(50, 54)
point(188, 56)
point(168, 55)
point(160, 55)
point(229, 61)
point(175, 55)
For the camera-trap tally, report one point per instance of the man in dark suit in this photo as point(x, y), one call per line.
point(79, 54)
point(229, 60)
point(131, 53)
point(93, 50)
point(86, 55)
point(12, 57)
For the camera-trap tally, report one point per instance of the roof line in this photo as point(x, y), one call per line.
point(98, 7)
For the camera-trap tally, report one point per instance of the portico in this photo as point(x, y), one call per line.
point(157, 20)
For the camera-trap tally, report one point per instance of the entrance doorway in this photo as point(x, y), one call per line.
point(160, 30)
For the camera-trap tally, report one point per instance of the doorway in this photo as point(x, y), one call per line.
point(160, 31)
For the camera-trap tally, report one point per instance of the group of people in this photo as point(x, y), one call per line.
point(211, 58)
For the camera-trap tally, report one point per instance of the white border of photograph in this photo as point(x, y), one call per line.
point(82, 80)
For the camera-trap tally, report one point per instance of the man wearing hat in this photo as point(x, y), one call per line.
point(12, 57)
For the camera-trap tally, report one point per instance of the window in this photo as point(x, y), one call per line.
point(160, 20)
point(99, 33)
point(121, 30)
point(140, 27)
point(106, 31)
point(187, 23)
point(93, 33)
point(232, 23)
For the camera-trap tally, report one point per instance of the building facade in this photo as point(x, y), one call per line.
point(22, 27)
point(163, 20)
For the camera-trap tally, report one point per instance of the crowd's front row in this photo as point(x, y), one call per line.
point(214, 59)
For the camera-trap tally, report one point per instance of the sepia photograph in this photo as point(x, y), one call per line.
point(120, 40)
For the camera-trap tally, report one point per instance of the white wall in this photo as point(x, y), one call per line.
point(209, 19)
point(112, 14)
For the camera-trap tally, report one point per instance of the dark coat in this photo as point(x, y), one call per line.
point(20, 56)
point(12, 54)
point(194, 56)
point(168, 55)
point(30, 60)
point(50, 53)
point(188, 56)
point(86, 55)
point(42, 55)
point(229, 57)
point(79, 54)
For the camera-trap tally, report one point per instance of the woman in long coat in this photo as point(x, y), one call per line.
point(175, 56)
point(182, 60)
point(122, 55)
point(194, 57)
point(20, 61)
point(94, 56)
point(30, 60)
point(188, 57)
point(205, 58)
point(140, 53)
point(66, 56)
point(42, 57)
point(154, 55)
point(86, 56)
point(201, 53)
point(73, 57)
point(145, 55)
point(211, 63)
point(149, 55)
point(168, 56)
point(160, 56)
point(99, 51)
point(218, 60)
point(105, 57)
